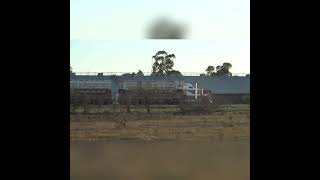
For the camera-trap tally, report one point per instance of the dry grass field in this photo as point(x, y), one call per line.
point(229, 126)
point(161, 146)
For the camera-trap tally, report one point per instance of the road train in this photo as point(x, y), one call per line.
point(140, 92)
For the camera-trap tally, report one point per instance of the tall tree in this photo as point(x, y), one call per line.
point(163, 63)
point(210, 71)
point(218, 70)
point(227, 66)
point(224, 70)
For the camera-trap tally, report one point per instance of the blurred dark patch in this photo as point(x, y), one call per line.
point(166, 28)
point(163, 160)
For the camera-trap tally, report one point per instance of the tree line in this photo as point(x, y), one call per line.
point(163, 66)
point(223, 70)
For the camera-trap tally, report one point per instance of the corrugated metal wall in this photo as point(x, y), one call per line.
point(218, 85)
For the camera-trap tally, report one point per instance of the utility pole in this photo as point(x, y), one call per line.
point(196, 92)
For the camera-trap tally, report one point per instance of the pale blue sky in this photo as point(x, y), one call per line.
point(108, 35)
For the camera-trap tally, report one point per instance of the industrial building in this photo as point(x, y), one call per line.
point(226, 90)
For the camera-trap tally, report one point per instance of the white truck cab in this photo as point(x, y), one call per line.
point(190, 91)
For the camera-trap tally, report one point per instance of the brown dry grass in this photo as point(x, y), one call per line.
point(216, 127)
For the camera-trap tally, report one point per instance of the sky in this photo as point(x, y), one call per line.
point(110, 35)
